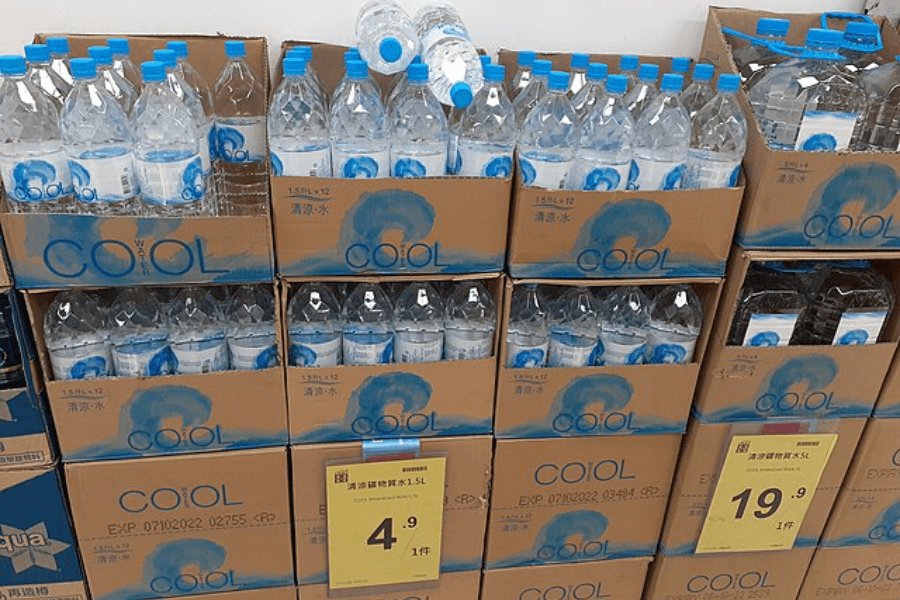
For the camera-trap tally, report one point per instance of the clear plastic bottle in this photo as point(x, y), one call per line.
point(418, 325)
point(487, 130)
point(860, 47)
point(191, 76)
point(624, 327)
point(605, 150)
point(45, 78)
point(676, 317)
point(753, 59)
point(771, 302)
point(122, 63)
point(298, 127)
point(718, 139)
point(399, 86)
point(359, 128)
point(578, 70)
point(419, 135)
point(528, 337)
point(534, 92)
point(368, 329)
point(76, 337)
point(549, 137)
point(386, 36)
point(250, 317)
point(59, 58)
point(12, 373)
point(592, 91)
point(314, 327)
point(197, 332)
point(241, 164)
point(138, 334)
point(661, 138)
point(574, 329)
point(470, 322)
point(98, 142)
point(454, 71)
point(681, 66)
point(644, 91)
point(33, 166)
point(628, 66)
point(117, 86)
point(880, 128)
point(349, 55)
point(311, 78)
point(695, 96)
point(522, 77)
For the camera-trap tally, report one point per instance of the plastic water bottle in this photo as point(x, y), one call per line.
point(310, 78)
point(314, 327)
point(76, 337)
point(122, 63)
point(574, 329)
point(624, 327)
point(250, 318)
point(605, 150)
point(12, 374)
point(718, 139)
point(809, 103)
point(681, 66)
point(98, 142)
point(578, 66)
point(860, 47)
point(522, 77)
point(349, 55)
point(880, 128)
point(527, 340)
point(676, 317)
point(696, 95)
point(298, 127)
point(644, 91)
point(59, 58)
point(771, 301)
point(454, 71)
point(386, 36)
point(45, 78)
point(628, 66)
point(419, 134)
point(418, 325)
point(138, 334)
point(754, 58)
point(401, 82)
point(593, 91)
point(117, 86)
point(661, 138)
point(470, 322)
point(191, 77)
point(534, 92)
point(359, 128)
point(487, 130)
point(368, 330)
point(241, 164)
point(33, 165)
point(549, 137)
point(197, 332)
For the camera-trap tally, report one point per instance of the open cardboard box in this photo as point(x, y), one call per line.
point(461, 585)
point(861, 572)
point(838, 200)
point(60, 250)
point(614, 579)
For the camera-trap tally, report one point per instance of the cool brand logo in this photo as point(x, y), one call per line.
point(170, 438)
point(150, 420)
point(164, 568)
point(887, 527)
point(553, 542)
point(582, 472)
point(369, 403)
point(870, 574)
point(571, 412)
point(812, 373)
point(187, 583)
point(587, 590)
point(722, 582)
point(167, 499)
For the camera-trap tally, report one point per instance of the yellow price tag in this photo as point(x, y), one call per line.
point(384, 522)
point(764, 490)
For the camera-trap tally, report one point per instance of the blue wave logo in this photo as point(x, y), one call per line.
point(603, 179)
point(375, 394)
point(814, 372)
point(81, 180)
point(612, 392)
point(672, 180)
point(633, 173)
point(358, 167)
point(31, 179)
point(732, 181)
point(765, 338)
point(665, 354)
point(151, 409)
point(169, 561)
point(586, 525)
point(857, 337)
point(643, 221)
point(387, 355)
point(598, 353)
point(267, 359)
point(193, 185)
point(378, 213)
point(637, 356)
point(277, 165)
point(529, 359)
point(301, 355)
point(163, 362)
point(89, 368)
point(887, 526)
point(213, 141)
point(408, 168)
point(499, 166)
point(528, 172)
point(230, 144)
point(820, 142)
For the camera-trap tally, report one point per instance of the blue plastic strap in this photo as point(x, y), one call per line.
point(842, 16)
point(405, 446)
point(777, 47)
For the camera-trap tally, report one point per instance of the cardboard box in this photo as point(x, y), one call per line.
point(615, 579)
point(463, 585)
point(183, 525)
point(37, 542)
point(352, 402)
point(280, 593)
point(599, 234)
point(771, 575)
point(613, 399)
point(467, 486)
point(759, 382)
point(888, 405)
point(867, 573)
point(840, 200)
point(701, 463)
point(578, 499)
point(51, 251)
point(123, 417)
point(332, 226)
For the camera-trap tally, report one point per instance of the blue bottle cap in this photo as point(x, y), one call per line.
point(542, 67)
point(616, 84)
point(354, 54)
point(703, 72)
point(597, 71)
point(83, 68)
point(628, 62)
point(681, 65)
point(357, 69)
point(390, 49)
point(559, 81)
point(294, 65)
point(494, 73)
point(58, 45)
point(485, 60)
point(861, 29)
point(526, 58)
point(120, 45)
point(826, 39)
point(580, 61)
point(102, 55)
point(729, 83)
point(37, 53)
point(648, 72)
point(153, 70)
point(305, 52)
point(772, 27)
point(417, 73)
point(417, 58)
point(12, 65)
point(461, 94)
point(672, 82)
point(235, 49)
point(166, 57)
point(179, 47)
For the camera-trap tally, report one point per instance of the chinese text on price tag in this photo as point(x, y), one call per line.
point(764, 491)
point(384, 522)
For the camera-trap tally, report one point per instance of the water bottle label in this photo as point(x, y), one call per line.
point(550, 175)
point(612, 353)
point(664, 350)
point(168, 183)
point(348, 165)
point(103, 179)
point(712, 173)
point(563, 354)
point(657, 175)
point(143, 363)
point(93, 364)
point(770, 330)
point(252, 358)
point(241, 142)
point(461, 345)
point(37, 179)
point(436, 34)
point(207, 148)
point(407, 350)
point(526, 357)
point(366, 353)
point(309, 163)
point(407, 166)
point(594, 176)
point(205, 360)
point(477, 162)
point(826, 130)
point(453, 159)
point(313, 352)
point(858, 328)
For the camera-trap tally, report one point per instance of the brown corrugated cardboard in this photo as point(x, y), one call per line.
point(122, 417)
point(888, 404)
point(279, 593)
point(614, 579)
point(866, 573)
point(181, 525)
point(578, 499)
point(701, 462)
point(809, 199)
point(626, 399)
point(348, 402)
point(332, 226)
point(770, 575)
point(463, 585)
point(467, 484)
point(754, 382)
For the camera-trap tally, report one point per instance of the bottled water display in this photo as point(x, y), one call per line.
point(359, 128)
point(624, 327)
point(138, 334)
point(696, 95)
point(676, 317)
point(549, 137)
point(487, 130)
point(592, 91)
point(880, 128)
point(628, 66)
point(574, 329)
point(754, 58)
point(661, 138)
point(12, 374)
point(368, 326)
point(33, 165)
point(117, 86)
point(76, 337)
point(315, 327)
point(529, 96)
point(860, 47)
point(771, 301)
point(470, 324)
point(418, 325)
point(522, 77)
point(59, 58)
point(386, 36)
point(419, 135)
point(45, 78)
point(454, 71)
point(718, 139)
point(644, 91)
point(197, 332)
point(578, 73)
point(122, 64)
point(528, 337)
point(250, 328)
